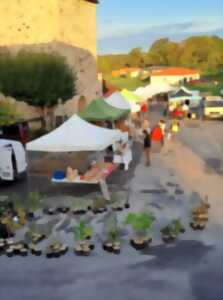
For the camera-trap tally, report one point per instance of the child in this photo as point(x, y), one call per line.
point(174, 128)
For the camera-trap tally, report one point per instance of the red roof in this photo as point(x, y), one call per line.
point(174, 72)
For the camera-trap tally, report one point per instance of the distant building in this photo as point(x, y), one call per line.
point(174, 76)
point(131, 72)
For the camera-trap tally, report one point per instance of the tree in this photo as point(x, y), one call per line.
point(135, 57)
point(39, 79)
point(163, 52)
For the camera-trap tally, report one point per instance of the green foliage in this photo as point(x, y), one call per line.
point(140, 221)
point(112, 231)
point(17, 201)
point(99, 203)
point(174, 228)
point(7, 113)
point(201, 52)
point(82, 231)
point(40, 79)
point(34, 201)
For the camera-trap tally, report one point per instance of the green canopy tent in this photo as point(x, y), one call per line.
point(130, 96)
point(99, 110)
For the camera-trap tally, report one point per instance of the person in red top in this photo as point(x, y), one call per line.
point(144, 110)
point(157, 138)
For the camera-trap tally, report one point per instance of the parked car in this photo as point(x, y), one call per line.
point(13, 164)
point(213, 109)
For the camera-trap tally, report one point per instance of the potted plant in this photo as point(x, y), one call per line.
point(99, 205)
point(49, 211)
point(79, 208)
point(200, 215)
point(141, 224)
point(120, 202)
point(112, 235)
point(33, 204)
point(172, 231)
point(35, 250)
point(63, 209)
point(82, 231)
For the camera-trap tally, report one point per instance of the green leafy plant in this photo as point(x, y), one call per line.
point(140, 222)
point(34, 201)
point(99, 203)
point(79, 204)
point(112, 231)
point(173, 229)
point(82, 231)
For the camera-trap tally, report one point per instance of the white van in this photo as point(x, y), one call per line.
point(13, 162)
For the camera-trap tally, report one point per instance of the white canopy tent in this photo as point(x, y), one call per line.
point(118, 101)
point(151, 90)
point(75, 135)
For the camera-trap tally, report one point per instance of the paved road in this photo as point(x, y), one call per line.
point(189, 270)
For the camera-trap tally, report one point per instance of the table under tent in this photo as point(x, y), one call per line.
point(78, 135)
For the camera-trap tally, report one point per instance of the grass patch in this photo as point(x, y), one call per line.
point(126, 83)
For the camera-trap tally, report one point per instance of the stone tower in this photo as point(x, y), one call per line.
point(65, 26)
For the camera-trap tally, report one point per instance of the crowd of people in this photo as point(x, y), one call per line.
point(153, 138)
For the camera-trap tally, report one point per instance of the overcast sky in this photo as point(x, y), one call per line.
point(125, 24)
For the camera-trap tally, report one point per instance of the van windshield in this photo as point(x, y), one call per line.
point(214, 103)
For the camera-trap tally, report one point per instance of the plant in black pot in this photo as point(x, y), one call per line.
point(112, 235)
point(171, 232)
point(200, 215)
point(141, 225)
point(82, 231)
point(99, 205)
point(79, 207)
point(33, 203)
point(120, 202)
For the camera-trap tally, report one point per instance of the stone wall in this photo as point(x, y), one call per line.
point(32, 22)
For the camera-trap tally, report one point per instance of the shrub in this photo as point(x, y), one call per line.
point(39, 79)
point(7, 113)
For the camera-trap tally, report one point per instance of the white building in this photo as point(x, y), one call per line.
point(174, 76)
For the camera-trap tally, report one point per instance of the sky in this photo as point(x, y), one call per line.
point(126, 24)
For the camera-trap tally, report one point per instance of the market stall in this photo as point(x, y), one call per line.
point(79, 135)
point(182, 94)
point(152, 90)
point(100, 110)
point(119, 101)
point(131, 96)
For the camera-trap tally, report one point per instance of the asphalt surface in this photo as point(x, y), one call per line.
point(191, 269)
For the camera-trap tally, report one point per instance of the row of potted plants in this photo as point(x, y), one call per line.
point(97, 206)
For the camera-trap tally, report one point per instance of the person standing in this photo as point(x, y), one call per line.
point(144, 110)
point(147, 147)
point(174, 129)
point(157, 138)
point(146, 125)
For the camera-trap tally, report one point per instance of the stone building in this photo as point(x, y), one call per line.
point(67, 27)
